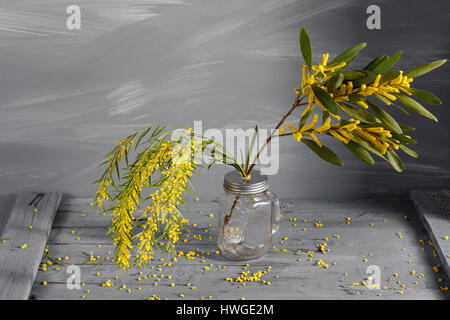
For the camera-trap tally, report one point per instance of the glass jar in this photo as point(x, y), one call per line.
point(249, 216)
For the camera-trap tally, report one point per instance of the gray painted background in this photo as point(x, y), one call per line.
point(66, 96)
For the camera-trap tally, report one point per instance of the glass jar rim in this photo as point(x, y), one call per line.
point(234, 182)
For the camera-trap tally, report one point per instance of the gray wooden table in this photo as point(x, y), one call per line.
point(384, 234)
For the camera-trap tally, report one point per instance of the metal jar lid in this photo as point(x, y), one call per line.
point(234, 182)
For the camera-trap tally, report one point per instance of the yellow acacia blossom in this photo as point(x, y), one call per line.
point(143, 219)
point(309, 79)
point(298, 133)
point(321, 73)
point(123, 146)
point(174, 163)
point(383, 90)
point(164, 201)
point(323, 68)
point(378, 137)
point(122, 222)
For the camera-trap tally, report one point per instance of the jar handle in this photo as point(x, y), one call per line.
point(275, 212)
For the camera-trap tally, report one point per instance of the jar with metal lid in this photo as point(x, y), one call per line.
point(249, 216)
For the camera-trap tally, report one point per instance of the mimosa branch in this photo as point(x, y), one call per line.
point(283, 119)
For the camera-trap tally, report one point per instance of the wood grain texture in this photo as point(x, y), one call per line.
point(372, 234)
point(18, 265)
point(433, 208)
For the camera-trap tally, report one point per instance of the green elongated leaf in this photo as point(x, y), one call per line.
point(349, 75)
point(391, 75)
point(323, 152)
point(416, 72)
point(409, 151)
point(406, 128)
point(305, 117)
point(388, 102)
point(347, 62)
point(413, 105)
point(356, 98)
point(368, 146)
point(386, 119)
point(386, 65)
point(394, 160)
point(375, 62)
point(325, 99)
point(305, 47)
point(400, 108)
point(335, 82)
point(360, 152)
point(425, 96)
point(325, 116)
point(348, 54)
point(358, 113)
point(382, 99)
point(403, 138)
point(368, 79)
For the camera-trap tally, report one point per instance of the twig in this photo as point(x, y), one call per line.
point(294, 106)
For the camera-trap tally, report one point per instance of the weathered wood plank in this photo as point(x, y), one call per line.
point(306, 290)
point(292, 272)
point(387, 231)
point(291, 284)
point(433, 208)
point(26, 231)
point(371, 234)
